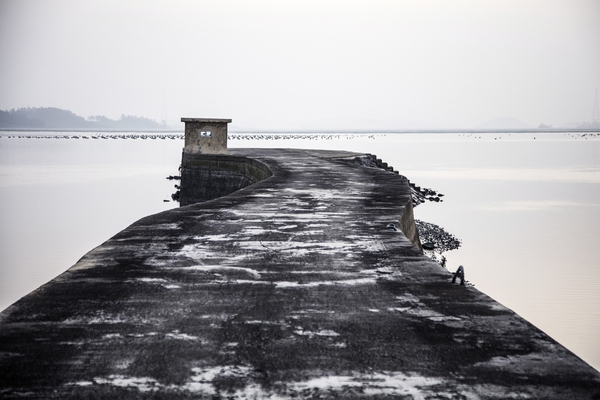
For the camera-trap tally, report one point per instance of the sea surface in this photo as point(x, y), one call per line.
point(525, 205)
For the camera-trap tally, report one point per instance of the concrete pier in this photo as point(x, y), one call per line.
point(293, 287)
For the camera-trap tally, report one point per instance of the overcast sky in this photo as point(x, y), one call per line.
point(303, 64)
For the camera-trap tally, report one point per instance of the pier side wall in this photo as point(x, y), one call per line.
point(208, 176)
point(408, 226)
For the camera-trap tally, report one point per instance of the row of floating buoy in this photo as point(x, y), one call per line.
point(297, 136)
point(99, 136)
point(584, 135)
point(574, 135)
point(135, 136)
point(234, 136)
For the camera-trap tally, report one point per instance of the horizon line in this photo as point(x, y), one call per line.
point(325, 131)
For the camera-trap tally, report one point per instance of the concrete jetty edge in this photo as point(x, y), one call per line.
point(293, 287)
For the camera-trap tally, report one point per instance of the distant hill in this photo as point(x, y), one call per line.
point(56, 118)
point(504, 123)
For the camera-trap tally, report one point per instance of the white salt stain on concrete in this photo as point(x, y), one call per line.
point(202, 378)
point(96, 320)
point(181, 336)
point(171, 286)
point(245, 281)
point(319, 194)
point(309, 233)
point(430, 314)
point(311, 334)
point(498, 307)
point(81, 383)
point(157, 262)
point(143, 384)
point(409, 298)
point(209, 238)
point(202, 381)
point(276, 213)
point(222, 268)
point(382, 271)
point(312, 272)
point(381, 274)
point(348, 282)
point(418, 309)
point(313, 311)
point(382, 384)
point(105, 318)
point(287, 227)
point(306, 246)
point(202, 251)
point(169, 226)
point(152, 280)
point(123, 364)
point(368, 271)
point(141, 335)
point(112, 336)
point(160, 281)
point(254, 230)
point(262, 322)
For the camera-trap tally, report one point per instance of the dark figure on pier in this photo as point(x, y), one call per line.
point(460, 273)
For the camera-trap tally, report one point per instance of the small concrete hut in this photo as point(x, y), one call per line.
point(205, 135)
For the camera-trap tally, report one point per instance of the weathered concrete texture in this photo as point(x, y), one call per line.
point(293, 287)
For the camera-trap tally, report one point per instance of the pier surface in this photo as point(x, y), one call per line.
point(294, 287)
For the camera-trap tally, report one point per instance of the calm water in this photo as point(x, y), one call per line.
point(526, 206)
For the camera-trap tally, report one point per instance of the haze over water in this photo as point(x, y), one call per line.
point(525, 205)
point(333, 64)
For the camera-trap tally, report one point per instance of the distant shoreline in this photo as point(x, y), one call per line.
point(91, 130)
